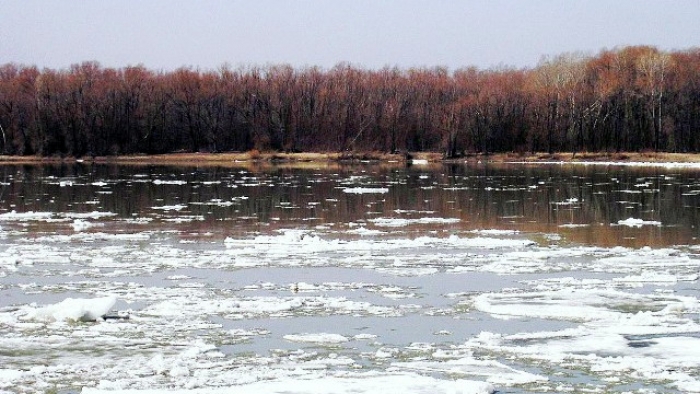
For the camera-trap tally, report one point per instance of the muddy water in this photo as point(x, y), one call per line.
point(583, 204)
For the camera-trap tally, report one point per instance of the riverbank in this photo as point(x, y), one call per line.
point(253, 157)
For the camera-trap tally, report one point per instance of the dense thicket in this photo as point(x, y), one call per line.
point(627, 99)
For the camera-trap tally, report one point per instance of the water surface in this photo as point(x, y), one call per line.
point(534, 278)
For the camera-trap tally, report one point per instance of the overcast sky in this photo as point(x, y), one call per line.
point(167, 34)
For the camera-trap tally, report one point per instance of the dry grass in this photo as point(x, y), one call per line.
point(258, 158)
point(653, 157)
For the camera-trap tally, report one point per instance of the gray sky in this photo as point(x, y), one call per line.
point(167, 34)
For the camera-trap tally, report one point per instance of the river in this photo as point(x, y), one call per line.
point(472, 278)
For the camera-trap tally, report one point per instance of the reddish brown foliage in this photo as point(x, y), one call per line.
point(628, 99)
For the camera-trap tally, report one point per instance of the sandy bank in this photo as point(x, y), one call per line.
point(255, 157)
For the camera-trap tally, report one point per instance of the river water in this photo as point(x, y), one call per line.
point(471, 278)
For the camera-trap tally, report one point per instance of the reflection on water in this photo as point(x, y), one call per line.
point(584, 204)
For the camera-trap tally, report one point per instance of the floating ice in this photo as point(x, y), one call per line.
point(495, 232)
point(399, 222)
point(81, 225)
point(566, 304)
point(75, 309)
point(291, 243)
point(168, 182)
point(567, 202)
point(87, 215)
point(364, 231)
point(366, 383)
point(191, 303)
point(366, 190)
point(632, 222)
point(8, 376)
point(653, 277)
point(494, 371)
point(320, 338)
point(25, 216)
point(93, 237)
point(178, 207)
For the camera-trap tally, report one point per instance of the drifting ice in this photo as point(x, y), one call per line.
point(75, 309)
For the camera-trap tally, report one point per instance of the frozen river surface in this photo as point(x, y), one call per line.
point(460, 279)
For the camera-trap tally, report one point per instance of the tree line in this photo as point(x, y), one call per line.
point(635, 98)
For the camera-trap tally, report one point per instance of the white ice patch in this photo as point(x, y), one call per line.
point(650, 336)
point(353, 383)
point(168, 182)
point(25, 216)
point(195, 302)
point(493, 371)
point(398, 222)
point(81, 225)
point(319, 338)
point(217, 202)
point(653, 277)
point(87, 215)
point(495, 232)
point(567, 304)
point(632, 222)
point(8, 377)
point(366, 190)
point(93, 237)
point(298, 242)
point(637, 261)
point(364, 231)
point(178, 207)
point(73, 309)
point(567, 202)
point(582, 304)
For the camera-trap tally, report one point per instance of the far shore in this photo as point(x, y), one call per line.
point(272, 158)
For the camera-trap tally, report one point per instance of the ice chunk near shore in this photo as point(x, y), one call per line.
point(632, 222)
point(366, 190)
point(73, 309)
point(398, 222)
point(80, 225)
point(176, 207)
point(25, 216)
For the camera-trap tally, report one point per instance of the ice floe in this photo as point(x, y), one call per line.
point(25, 216)
point(169, 182)
point(319, 338)
point(73, 309)
point(366, 190)
point(633, 222)
point(178, 207)
point(492, 371)
point(364, 231)
point(400, 222)
point(367, 383)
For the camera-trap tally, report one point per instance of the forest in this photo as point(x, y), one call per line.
point(629, 99)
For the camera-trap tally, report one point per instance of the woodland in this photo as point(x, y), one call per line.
point(628, 99)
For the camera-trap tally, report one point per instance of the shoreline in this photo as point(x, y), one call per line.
point(272, 158)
